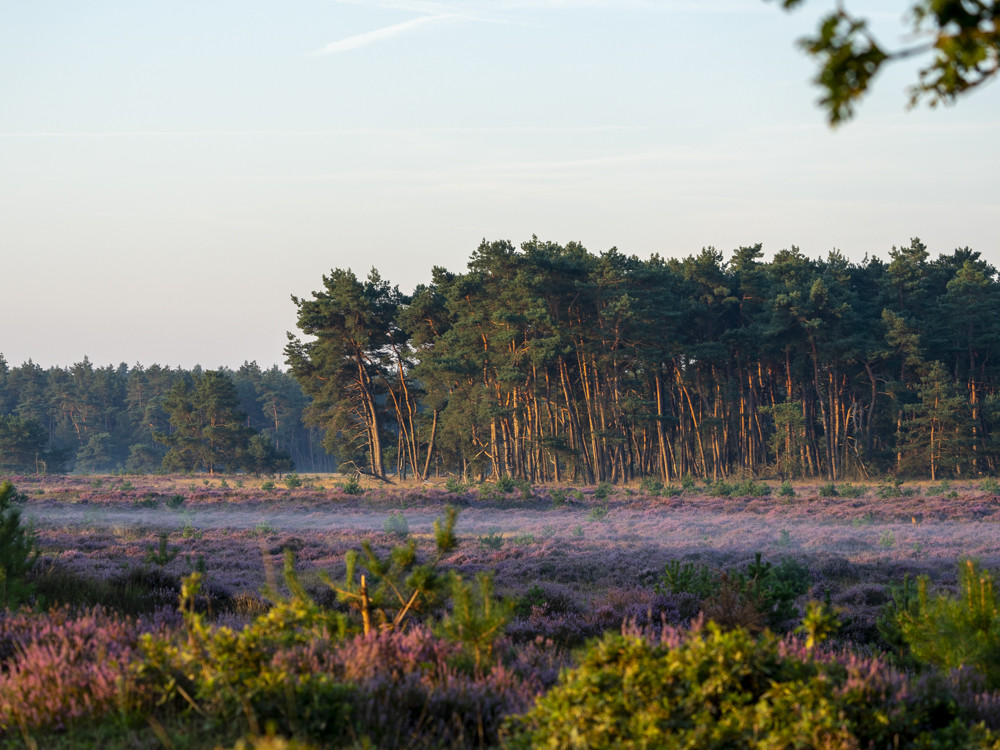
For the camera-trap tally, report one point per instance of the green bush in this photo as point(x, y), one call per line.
point(351, 486)
point(786, 489)
point(890, 488)
point(952, 632)
point(396, 525)
point(715, 689)
point(506, 484)
point(293, 481)
point(887, 540)
point(651, 485)
point(751, 488)
point(758, 595)
point(828, 490)
point(688, 578)
point(524, 488)
point(492, 541)
point(455, 485)
point(598, 512)
point(852, 491)
point(163, 553)
point(903, 603)
point(602, 491)
point(721, 488)
point(228, 674)
point(477, 617)
point(18, 550)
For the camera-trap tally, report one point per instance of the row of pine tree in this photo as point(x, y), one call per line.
point(551, 363)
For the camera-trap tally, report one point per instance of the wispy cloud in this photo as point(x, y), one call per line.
point(505, 12)
point(378, 35)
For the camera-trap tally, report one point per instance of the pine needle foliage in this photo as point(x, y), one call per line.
point(18, 550)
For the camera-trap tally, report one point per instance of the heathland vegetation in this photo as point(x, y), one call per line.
point(717, 615)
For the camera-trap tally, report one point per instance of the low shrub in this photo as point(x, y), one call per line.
point(62, 669)
point(18, 549)
point(708, 688)
point(491, 541)
point(506, 484)
point(598, 512)
point(751, 488)
point(651, 485)
point(396, 525)
point(851, 490)
point(721, 488)
point(163, 553)
point(952, 632)
point(688, 578)
point(990, 485)
point(351, 486)
point(133, 592)
point(890, 488)
point(455, 485)
point(762, 594)
point(524, 487)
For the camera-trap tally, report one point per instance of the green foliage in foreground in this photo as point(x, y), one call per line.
point(277, 670)
point(952, 632)
point(717, 689)
point(18, 551)
point(959, 41)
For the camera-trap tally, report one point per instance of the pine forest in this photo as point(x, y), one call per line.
point(549, 363)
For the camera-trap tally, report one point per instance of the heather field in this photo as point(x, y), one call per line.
point(571, 563)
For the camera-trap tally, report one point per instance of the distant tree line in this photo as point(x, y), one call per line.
point(550, 363)
point(145, 419)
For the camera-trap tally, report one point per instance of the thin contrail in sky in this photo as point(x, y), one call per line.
point(378, 35)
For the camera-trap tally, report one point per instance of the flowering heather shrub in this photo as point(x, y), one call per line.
point(730, 690)
point(413, 692)
point(133, 591)
point(572, 627)
point(60, 668)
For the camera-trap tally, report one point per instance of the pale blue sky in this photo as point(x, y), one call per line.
point(170, 172)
